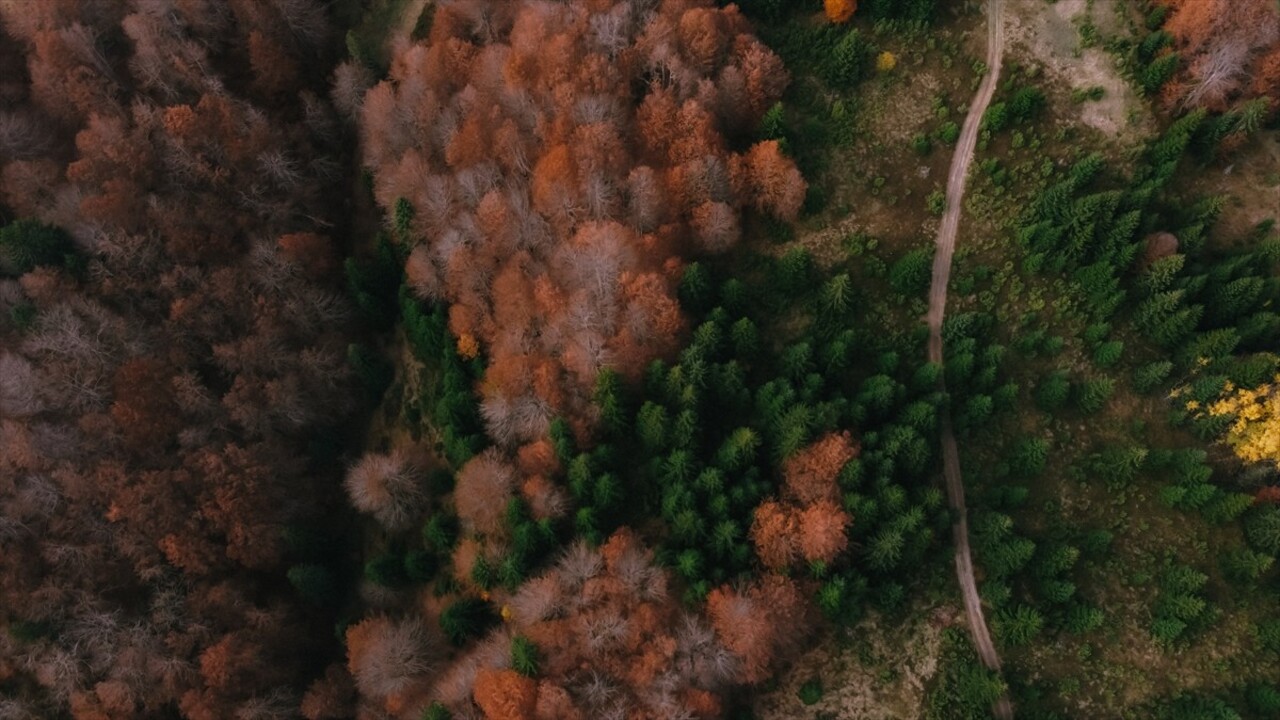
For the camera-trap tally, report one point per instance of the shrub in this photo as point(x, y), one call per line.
point(524, 656)
point(910, 274)
point(28, 244)
point(1092, 395)
point(314, 583)
point(949, 133)
point(811, 691)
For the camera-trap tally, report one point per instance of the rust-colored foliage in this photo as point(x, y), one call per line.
point(759, 623)
point(606, 611)
point(535, 175)
point(840, 11)
point(1269, 495)
point(775, 533)
point(330, 697)
point(159, 407)
point(810, 475)
point(1227, 48)
point(144, 408)
point(505, 695)
point(807, 524)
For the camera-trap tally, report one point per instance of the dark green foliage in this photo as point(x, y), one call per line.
point(912, 11)
point(1264, 700)
point(1018, 626)
point(1245, 566)
point(1081, 619)
point(1196, 707)
point(849, 61)
point(949, 133)
point(1180, 607)
point(27, 631)
point(386, 569)
point(1052, 392)
point(811, 691)
point(609, 399)
point(28, 244)
point(436, 711)
point(773, 126)
point(1147, 378)
point(441, 532)
point(403, 220)
point(466, 618)
point(695, 288)
point(315, 583)
point(1262, 528)
point(1092, 394)
point(420, 566)
point(963, 688)
point(372, 368)
point(562, 438)
point(794, 271)
point(997, 117)
point(1028, 458)
point(1026, 104)
point(1108, 353)
point(771, 10)
point(910, 274)
point(374, 284)
point(524, 656)
point(1267, 633)
point(1160, 71)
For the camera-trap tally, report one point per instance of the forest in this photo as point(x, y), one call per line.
point(556, 360)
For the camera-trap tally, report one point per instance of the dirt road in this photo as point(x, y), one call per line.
point(946, 245)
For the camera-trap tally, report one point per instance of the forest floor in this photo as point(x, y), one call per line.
point(875, 670)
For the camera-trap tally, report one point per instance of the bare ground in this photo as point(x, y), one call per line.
point(1049, 34)
point(878, 672)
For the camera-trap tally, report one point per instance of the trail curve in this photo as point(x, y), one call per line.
point(945, 249)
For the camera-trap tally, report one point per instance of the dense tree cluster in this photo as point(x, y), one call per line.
point(554, 163)
point(172, 353)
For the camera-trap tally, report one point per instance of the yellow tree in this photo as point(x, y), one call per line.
point(1254, 433)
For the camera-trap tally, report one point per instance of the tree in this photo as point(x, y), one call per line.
point(1254, 430)
point(810, 475)
point(314, 583)
point(385, 655)
point(524, 656)
point(910, 274)
point(756, 623)
point(483, 487)
point(505, 695)
point(28, 244)
point(387, 486)
point(840, 11)
point(775, 532)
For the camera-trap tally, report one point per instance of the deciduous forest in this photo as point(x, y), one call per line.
point(568, 359)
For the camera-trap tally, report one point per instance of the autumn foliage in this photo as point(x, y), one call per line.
point(561, 160)
point(807, 524)
point(159, 403)
point(839, 11)
point(1230, 50)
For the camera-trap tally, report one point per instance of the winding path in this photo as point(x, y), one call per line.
point(946, 246)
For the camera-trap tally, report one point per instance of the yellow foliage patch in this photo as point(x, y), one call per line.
point(886, 61)
point(1254, 432)
point(468, 348)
